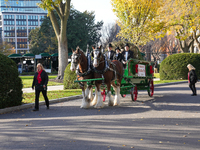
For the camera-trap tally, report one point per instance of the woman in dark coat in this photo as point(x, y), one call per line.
point(40, 82)
point(192, 79)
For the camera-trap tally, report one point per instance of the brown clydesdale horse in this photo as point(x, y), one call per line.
point(79, 62)
point(111, 72)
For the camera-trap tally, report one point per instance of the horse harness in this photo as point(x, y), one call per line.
point(89, 70)
point(107, 66)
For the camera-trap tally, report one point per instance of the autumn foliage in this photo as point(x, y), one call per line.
point(144, 20)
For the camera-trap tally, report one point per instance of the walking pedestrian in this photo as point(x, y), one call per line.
point(192, 79)
point(156, 67)
point(40, 82)
point(19, 66)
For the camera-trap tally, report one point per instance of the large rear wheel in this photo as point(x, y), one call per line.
point(134, 93)
point(151, 88)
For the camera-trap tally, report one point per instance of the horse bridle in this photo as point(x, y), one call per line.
point(76, 59)
point(98, 58)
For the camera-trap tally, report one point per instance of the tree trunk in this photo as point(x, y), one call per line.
point(186, 44)
point(192, 48)
point(60, 31)
point(62, 58)
point(196, 39)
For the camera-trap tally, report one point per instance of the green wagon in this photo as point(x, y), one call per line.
point(138, 75)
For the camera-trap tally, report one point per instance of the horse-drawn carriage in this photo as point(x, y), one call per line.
point(138, 75)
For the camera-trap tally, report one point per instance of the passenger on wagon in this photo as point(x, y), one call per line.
point(126, 55)
point(118, 55)
point(110, 53)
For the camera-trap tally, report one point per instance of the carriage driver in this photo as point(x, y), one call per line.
point(126, 55)
point(110, 53)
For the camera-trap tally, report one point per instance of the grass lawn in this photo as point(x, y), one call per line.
point(27, 81)
point(157, 75)
point(30, 97)
point(167, 81)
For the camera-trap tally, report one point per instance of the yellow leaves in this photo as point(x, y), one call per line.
point(136, 19)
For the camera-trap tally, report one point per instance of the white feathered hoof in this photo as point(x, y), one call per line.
point(110, 103)
point(99, 106)
point(85, 104)
point(94, 101)
point(116, 104)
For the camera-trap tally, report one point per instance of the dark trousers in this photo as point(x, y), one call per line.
point(192, 87)
point(37, 94)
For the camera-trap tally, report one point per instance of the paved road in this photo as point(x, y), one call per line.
point(168, 121)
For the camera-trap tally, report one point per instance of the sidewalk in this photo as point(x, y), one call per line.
point(49, 88)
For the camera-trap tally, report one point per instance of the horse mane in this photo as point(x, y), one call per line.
point(80, 50)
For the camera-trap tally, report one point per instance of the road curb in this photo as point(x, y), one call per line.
point(25, 106)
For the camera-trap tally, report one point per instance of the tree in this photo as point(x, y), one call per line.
point(182, 17)
point(109, 34)
point(167, 45)
point(63, 9)
point(138, 19)
point(81, 30)
point(6, 49)
point(43, 39)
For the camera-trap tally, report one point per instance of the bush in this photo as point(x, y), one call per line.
point(11, 84)
point(69, 78)
point(175, 66)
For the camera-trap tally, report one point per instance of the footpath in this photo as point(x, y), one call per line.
point(60, 87)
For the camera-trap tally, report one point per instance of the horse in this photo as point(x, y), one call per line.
point(111, 71)
point(81, 64)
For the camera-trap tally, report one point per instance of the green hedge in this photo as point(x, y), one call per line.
point(175, 66)
point(69, 78)
point(10, 83)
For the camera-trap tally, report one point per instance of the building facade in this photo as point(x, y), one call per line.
point(17, 19)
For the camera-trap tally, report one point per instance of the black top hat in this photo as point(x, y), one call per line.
point(117, 48)
point(110, 45)
point(127, 45)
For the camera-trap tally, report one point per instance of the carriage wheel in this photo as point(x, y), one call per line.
point(123, 95)
point(151, 88)
point(103, 95)
point(134, 93)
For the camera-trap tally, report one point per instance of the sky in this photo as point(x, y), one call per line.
point(102, 8)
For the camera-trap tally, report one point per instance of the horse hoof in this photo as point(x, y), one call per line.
point(86, 106)
point(110, 104)
point(101, 106)
point(116, 104)
point(98, 107)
